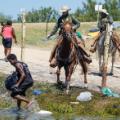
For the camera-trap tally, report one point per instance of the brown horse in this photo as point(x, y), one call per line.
point(68, 55)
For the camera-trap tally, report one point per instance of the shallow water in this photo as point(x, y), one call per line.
point(13, 114)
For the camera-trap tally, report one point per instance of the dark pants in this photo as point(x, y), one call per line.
point(7, 42)
point(21, 89)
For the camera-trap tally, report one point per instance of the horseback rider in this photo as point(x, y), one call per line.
point(63, 18)
point(102, 24)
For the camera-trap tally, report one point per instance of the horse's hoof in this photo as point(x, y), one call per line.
point(85, 85)
point(59, 82)
point(64, 86)
point(111, 73)
point(67, 92)
point(100, 74)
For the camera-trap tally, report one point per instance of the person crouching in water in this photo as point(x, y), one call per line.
point(7, 33)
point(24, 81)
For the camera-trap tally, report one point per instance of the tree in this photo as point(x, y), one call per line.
point(86, 13)
point(4, 18)
point(113, 8)
point(40, 15)
point(89, 8)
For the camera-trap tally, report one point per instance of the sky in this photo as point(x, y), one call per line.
point(13, 7)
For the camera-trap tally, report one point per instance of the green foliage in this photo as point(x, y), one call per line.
point(113, 108)
point(89, 8)
point(40, 15)
point(4, 103)
point(113, 7)
point(58, 102)
point(86, 13)
point(4, 18)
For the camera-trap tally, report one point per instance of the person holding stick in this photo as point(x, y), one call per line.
point(24, 81)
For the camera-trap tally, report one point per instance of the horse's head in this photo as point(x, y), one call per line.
point(67, 30)
point(67, 27)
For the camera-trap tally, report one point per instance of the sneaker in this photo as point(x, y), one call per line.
point(29, 105)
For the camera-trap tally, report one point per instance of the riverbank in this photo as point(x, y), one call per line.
point(56, 101)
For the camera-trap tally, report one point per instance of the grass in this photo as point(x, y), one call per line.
point(58, 102)
point(36, 32)
point(55, 100)
point(3, 103)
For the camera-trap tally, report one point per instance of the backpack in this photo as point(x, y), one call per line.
point(11, 80)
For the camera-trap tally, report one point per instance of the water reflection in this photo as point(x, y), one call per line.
point(13, 114)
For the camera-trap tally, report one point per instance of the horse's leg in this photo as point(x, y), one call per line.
point(68, 73)
point(113, 60)
point(58, 75)
point(84, 67)
point(67, 79)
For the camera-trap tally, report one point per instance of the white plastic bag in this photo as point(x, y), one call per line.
point(84, 96)
point(43, 112)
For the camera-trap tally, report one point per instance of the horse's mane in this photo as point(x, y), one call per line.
point(67, 26)
point(67, 22)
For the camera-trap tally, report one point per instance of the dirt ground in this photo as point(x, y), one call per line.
point(37, 60)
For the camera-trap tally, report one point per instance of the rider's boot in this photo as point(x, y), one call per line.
point(85, 54)
point(53, 62)
point(93, 49)
point(94, 44)
point(87, 59)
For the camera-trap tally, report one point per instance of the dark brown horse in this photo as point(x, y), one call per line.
point(68, 55)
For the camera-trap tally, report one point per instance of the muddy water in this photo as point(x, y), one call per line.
point(13, 114)
point(37, 117)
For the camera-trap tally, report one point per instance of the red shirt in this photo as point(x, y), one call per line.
point(7, 32)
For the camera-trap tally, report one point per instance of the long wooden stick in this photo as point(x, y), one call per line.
point(23, 35)
point(106, 55)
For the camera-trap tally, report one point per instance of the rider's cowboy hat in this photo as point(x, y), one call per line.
point(104, 11)
point(64, 9)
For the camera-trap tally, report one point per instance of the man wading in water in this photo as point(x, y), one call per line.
point(24, 81)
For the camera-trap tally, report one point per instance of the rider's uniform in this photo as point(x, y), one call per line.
point(59, 24)
point(102, 24)
point(61, 20)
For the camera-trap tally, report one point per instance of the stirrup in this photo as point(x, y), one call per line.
point(53, 63)
point(88, 59)
point(92, 50)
